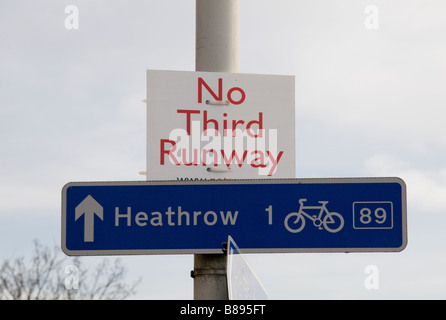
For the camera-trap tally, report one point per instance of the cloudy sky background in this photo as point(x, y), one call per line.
point(368, 103)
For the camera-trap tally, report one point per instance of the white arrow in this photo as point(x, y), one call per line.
point(89, 206)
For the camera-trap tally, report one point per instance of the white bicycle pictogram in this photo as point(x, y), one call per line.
point(332, 221)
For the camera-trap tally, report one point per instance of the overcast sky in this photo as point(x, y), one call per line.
point(370, 101)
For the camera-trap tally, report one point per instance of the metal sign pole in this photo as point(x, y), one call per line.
point(217, 50)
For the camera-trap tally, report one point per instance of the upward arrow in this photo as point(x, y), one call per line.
point(89, 206)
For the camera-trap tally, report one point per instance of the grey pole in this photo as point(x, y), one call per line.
point(217, 35)
point(217, 50)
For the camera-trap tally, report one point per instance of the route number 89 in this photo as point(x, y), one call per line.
point(379, 214)
point(373, 215)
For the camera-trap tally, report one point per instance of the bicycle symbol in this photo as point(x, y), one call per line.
point(332, 221)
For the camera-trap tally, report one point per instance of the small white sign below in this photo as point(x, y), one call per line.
point(243, 283)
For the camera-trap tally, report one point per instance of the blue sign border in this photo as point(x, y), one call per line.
point(261, 231)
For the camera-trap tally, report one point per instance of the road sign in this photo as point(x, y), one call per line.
point(289, 215)
point(215, 125)
point(243, 283)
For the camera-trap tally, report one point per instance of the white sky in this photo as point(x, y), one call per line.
point(368, 103)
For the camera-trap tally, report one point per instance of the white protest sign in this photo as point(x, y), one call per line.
point(212, 125)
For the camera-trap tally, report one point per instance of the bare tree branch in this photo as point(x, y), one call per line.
point(43, 277)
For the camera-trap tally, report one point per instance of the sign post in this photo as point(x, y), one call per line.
point(217, 49)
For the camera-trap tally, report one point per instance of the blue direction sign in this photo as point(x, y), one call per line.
point(289, 215)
